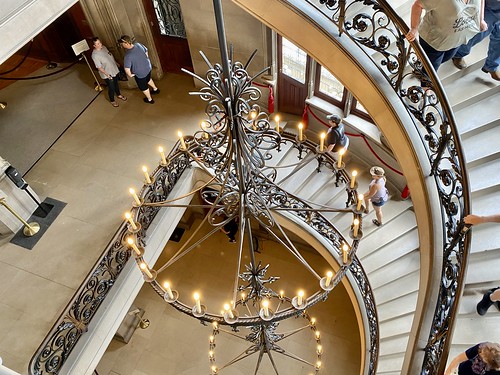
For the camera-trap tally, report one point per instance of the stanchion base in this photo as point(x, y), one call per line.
point(31, 230)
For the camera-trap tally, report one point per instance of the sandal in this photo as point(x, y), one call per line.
point(124, 98)
point(377, 223)
point(114, 104)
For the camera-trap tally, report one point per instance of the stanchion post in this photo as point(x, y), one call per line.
point(30, 229)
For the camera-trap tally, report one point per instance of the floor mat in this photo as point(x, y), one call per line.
point(40, 110)
point(54, 208)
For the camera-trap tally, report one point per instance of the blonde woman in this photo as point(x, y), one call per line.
point(481, 359)
point(377, 194)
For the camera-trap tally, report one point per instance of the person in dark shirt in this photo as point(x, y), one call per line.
point(230, 229)
point(481, 359)
point(335, 137)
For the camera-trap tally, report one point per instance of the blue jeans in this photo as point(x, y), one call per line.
point(113, 87)
point(436, 58)
point(492, 18)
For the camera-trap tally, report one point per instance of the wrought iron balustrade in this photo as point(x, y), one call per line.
point(380, 33)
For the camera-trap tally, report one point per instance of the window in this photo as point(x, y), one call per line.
point(294, 61)
point(168, 13)
point(328, 88)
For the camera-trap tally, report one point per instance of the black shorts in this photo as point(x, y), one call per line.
point(142, 83)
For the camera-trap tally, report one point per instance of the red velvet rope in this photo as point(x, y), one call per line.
point(260, 85)
point(356, 135)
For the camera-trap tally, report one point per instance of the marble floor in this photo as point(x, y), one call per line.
point(91, 168)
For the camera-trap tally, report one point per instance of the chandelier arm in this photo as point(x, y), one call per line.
point(306, 160)
point(183, 251)
point(283, 166)
point(166, 203)
point(259, 73)
point(270, 355)
point(207, 61)
point(291, 333)
point(291, 248)
point(299, 209)
point(194, 75)
point(245, 354)
point(293, 356)
point(240, 252)
point(250, 60)
point(261, 353)
point(231, 333)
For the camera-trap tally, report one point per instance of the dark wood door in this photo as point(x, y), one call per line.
point(293, 75)
point(173, 51)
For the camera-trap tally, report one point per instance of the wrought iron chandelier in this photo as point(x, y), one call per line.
point(234, 146)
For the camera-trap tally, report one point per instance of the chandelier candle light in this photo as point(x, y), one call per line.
point(134, 247)
point(134, 195)
point(146, 174)
point(341, 153)
point(128, 216)
point(353, 180)
point(162, 154)
point(322, 142)
point(360, 202)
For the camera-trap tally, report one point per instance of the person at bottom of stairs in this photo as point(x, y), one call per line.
point(492, 296)
point(481, 359)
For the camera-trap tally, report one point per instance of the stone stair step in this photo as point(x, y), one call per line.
point(485, 237)
point(485, 176)
point(470, 331)
point(478, 85)
point(390, 251)
point(403, 305)
point(390, 364)
point(483, 267)
point(449, 73)
point(396, 327)
point(478, 117)
point(482, 147)
point(374, 237)
point(393, 345)
point(394, 288)
point(396, 270)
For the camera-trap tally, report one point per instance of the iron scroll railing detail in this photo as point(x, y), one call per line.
point(380, 33)
point(73, 322)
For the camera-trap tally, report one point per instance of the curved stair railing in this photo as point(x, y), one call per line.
point(380, 33)
point(57, 346)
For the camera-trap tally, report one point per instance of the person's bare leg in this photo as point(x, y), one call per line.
point(378, 212)
point(152, 84)
point(367, 206)
point(495, 296)
point(147, 94)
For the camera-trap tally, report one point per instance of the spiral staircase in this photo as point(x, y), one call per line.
point(391, 254)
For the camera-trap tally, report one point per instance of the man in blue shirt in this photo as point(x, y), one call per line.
point(138, 65)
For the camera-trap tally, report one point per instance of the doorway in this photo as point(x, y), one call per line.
point(165, 20)
point(293, 76)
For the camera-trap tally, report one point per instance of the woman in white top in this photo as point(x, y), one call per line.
point(377, 194)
